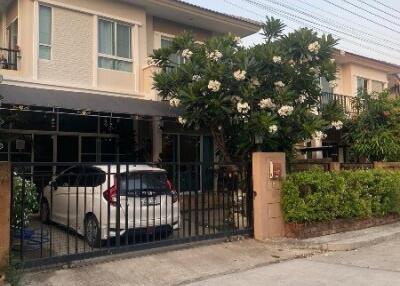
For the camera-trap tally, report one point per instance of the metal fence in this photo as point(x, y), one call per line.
point(8, 59)
point(65, 212)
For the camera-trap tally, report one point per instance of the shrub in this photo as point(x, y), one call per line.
point(23, 191)
point(316, 195)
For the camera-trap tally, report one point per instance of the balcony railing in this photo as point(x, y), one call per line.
point(9, 59)
point(346, 101)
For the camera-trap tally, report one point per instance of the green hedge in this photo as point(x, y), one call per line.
point(316, 195)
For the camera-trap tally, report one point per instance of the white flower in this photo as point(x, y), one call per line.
point(255, 81)
point(337, 124)
point(279, 84)
point(314, 47)
point(314, 110)
point(237, 40)
point(319, 135)
point(196, 77)
point(239, 75)
point(266, 103)
point(174, 102)
point(277, 59)
point(273, 129)
point(301, 98)
point(215, 55)
point(235, 99)
point(332, 84)
point(182, 120)
point(214, 85)
point(315, 70)
point(187, 54)
point(243, 107)
point(332, 60)
point(285, 110)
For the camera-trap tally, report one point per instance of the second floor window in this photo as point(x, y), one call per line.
point(175, 59)
point(114, 43)
point(44, 32)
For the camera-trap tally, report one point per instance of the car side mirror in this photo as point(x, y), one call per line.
point(53, 185)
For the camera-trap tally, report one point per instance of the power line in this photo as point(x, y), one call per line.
point(355, 23)
point(302, 22)
point(369, 12)
point(384, 5)
point(361, 16)
point(379, 9)
point(332, 27)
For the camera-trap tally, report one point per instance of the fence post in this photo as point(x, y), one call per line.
point(5, 207)
point(268, 171)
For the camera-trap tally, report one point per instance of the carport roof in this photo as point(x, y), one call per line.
point(94, 102)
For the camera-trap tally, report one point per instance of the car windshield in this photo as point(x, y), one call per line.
point(143, 183)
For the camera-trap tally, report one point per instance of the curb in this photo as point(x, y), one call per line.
point(342, 246)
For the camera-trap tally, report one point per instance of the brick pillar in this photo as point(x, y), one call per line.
point(5, 200)
point(268, 171)
point(334, 166)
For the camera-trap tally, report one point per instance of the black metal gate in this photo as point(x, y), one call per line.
point(65, 211)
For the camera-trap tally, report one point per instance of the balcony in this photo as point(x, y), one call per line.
point(345, 101)
point(9, 59)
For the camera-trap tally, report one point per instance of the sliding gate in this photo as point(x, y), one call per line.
point(64, 212)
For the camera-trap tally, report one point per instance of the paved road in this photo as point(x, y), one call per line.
point(373, 266)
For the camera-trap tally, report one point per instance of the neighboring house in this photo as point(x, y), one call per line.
point(354, 73)
point(76, 73)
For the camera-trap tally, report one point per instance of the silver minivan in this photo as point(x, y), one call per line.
point(85, 199)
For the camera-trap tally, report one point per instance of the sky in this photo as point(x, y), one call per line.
point(367, 27)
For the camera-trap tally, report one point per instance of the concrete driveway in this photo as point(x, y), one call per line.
point(376, 265)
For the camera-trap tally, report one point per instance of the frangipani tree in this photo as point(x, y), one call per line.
point(269, 92)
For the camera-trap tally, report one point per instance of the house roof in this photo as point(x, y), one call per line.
point(199, 17)
point(41, 97)
point(344, 57)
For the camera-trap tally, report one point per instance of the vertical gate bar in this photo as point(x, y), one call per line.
point(108, 206)
point(183, 212)
point(223, 169)
point(12, 210)
point(190, 199)
point(68, 206)
point(217, 191)
point(202, 201)
point(206, 168)
point(235, 190)
point(85, 200)
point(118, 207)
point(126, 204)
point(147, 212)
point(134, 207)
point(78, 178)
point(140, 207)
point(196, 199)
point(154, 212)
point(52, 184)
point(22, 219)
point(41, 221)
point(100, 210)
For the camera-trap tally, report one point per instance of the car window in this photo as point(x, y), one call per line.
point(91, 177)
point(137, 183)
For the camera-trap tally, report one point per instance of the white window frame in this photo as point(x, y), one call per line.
point(50, 46)
point(114, 57)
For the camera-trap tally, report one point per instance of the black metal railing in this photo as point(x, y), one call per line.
point(63, 212)
point(345, 101)
point(9, 59)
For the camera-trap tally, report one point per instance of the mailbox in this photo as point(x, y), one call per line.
point(275, 170)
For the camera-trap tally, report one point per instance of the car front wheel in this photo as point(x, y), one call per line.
point(92, 231)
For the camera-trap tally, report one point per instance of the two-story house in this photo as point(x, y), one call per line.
point(355, 73)
point(77, 86)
